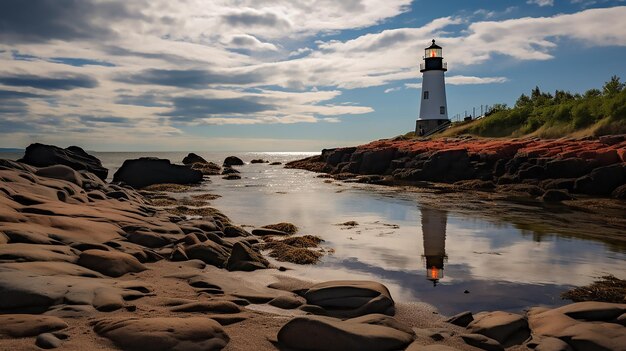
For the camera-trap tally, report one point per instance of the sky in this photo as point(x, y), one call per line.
point(280, 75)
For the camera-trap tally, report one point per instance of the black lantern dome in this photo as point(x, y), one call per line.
point(433, 59)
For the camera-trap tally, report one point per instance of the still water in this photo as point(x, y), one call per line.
point(420, 252)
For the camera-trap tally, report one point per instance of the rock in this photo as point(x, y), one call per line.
point(554, 195)
point(567, 168)
point(147, 238)
point(111, 263)
point(259, 160)
point(419, 347)
point(267, 231)
point(500, 326)
point(48, 341)
point(482, 342)
point(244, 258)
point(232, 177)
point(208, 252)
point(161, 333)
point(229, 170)
point(40, 155)
point(602, 180)
point(192, 158)
point(215, 306)
point(287, 302)
point(595, 337)
point(351, 298)
point(553, 344)
point(233, 161)
point(462, 319)
point(231, 231)
point(207, 168)
point(145, 171)
point(276, 163)
point(324, 333)
point(376, 161)
point(619, 192)
point(24, 325)
point(20, 252)
point(592, 310)
point(61, 172)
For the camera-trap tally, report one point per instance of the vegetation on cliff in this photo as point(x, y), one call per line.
point(596, 112)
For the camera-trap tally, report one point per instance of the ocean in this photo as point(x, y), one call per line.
point(421, 248)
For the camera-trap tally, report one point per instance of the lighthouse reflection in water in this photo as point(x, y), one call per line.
point(434, 233)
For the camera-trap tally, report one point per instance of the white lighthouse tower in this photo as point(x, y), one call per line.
point(433, 109)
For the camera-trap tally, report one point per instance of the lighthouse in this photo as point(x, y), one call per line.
point(434, 223)
point(433, 107)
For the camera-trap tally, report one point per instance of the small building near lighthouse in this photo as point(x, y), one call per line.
point(433, 106)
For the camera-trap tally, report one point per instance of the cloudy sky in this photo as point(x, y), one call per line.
point(288, 75)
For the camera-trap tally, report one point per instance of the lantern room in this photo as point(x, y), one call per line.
point(433, 51)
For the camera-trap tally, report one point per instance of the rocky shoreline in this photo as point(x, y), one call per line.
point(553, 170)
point(86, 264)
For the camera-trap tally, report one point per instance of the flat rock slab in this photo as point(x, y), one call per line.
point(595, 336)
point(317, 333)
point(40, 292)
point(482, 342)
point(350, 298)
point(20, 252)
point(214, 306)
point(267, 231)
point(111, 263)
point(500, 326)
point(164, 334)
point(419, 347)
point(593, 310)
point(553, 344)
point(23, 325)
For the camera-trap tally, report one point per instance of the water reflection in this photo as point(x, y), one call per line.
point(434, 223)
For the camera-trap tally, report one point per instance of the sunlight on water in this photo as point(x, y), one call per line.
point(402, 242)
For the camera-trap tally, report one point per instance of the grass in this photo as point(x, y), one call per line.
point(607, 289)
point(594, 113)
point(288, 228)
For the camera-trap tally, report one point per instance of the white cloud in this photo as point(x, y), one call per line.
point(290, 85)
point(391, 90)
point(541, 2)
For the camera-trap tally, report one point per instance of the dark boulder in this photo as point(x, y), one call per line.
point(229, 170)
point(193, 158)
point(145, 171)
point(447, 166)
point(335, 156)
point(376, 161)
point(619, 192)
point(602, 180)
point(568, 168)
point(554, 195)
point(207, 168)
point(40, 155)
point(233, 161)
point(244, 258)
point(259, 160)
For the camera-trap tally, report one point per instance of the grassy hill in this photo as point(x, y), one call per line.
point(594, 113)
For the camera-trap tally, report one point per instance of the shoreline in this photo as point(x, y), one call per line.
point(107, 268)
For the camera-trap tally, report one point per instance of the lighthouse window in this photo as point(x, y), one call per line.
point(442, 110)
point(425, 95)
